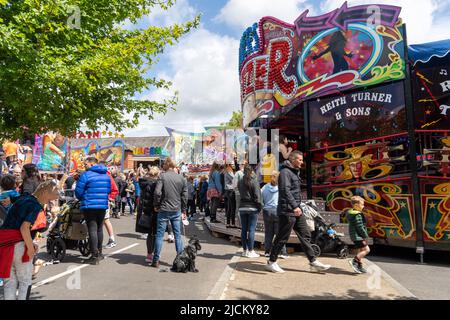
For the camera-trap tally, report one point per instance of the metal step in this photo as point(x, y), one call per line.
point(331, 217)
point(220, 229)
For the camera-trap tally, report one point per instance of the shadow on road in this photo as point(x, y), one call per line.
point(128, 258)
point(397, 255)
point(349, 295)
point(256, 267)
point(215, 256)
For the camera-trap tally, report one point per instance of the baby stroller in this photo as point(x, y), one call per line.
point(69, 232)
point(324, 239)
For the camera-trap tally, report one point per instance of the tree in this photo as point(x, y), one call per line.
point(235, 121)
point(57, 75)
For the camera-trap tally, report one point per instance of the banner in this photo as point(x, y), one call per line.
point(49, 152)
point(113, 155)
point(185, 147)
point(358, 116)
point(350, 47)
point(214, 145)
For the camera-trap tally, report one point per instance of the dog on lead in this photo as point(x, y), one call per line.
point(185, 260)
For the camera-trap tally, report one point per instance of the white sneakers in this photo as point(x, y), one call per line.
point(315, 266)
point(319, 266)
point(284, 256)
point(250, 254)
point(274, 267)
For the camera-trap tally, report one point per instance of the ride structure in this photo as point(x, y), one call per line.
point(371, 120)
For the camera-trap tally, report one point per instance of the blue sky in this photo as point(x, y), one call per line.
point(203, 65)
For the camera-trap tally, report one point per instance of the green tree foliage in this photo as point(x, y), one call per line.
point(235, 121)
point(55, 75)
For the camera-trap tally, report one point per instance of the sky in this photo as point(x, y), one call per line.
point(203, 66)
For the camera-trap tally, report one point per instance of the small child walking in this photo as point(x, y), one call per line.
point(358, 233)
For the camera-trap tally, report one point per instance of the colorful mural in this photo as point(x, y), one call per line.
point(431, 84)
point(113, 155)
point(344, 49)
point(185, 146)
point(435, 196)
point(369, 161)
point(49, 152)
point(214, 145)
point(388, 206)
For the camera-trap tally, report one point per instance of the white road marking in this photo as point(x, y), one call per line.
point(218, 292)
point(41, 283)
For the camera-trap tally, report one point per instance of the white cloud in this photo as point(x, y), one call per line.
point(181, 11)
point(420, 17)
point(204, 69)
point(242, 14)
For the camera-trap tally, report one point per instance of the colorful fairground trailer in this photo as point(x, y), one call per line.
point(371, 120)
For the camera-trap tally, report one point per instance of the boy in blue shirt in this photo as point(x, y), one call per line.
point(8, 185)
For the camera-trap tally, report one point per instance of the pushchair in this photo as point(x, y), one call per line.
point(324, 239)
point(69, 232)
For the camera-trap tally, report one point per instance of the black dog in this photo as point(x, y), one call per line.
point(185, 261)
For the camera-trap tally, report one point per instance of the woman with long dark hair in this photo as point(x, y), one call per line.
point(249, 208)
point(30, 179)
point(146, 207)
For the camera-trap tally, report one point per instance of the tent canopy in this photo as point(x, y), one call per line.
point(425, 52)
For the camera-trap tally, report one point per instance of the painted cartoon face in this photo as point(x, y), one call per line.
point(356, 169)
point(59, 140)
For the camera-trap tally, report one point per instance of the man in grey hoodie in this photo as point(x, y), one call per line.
point(270, 202)
point(170, 201)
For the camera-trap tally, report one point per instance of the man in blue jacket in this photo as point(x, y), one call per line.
point(92, 190)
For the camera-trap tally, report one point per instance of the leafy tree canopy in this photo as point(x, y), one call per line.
point(68, 63)
point(235, 122)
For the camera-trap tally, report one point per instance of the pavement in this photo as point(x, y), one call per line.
point(430, 280)
point(124, 275)
point(250, 280)
point(225, 275)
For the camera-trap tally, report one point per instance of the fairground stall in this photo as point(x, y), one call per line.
point(340, 88)
point(431, 88)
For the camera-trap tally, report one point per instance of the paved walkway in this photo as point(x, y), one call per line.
point(249, 280)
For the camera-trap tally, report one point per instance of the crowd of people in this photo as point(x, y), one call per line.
point(163, 200)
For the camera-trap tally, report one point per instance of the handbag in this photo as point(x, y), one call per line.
point(145, 221)
point(310, 213)
point(212, 193)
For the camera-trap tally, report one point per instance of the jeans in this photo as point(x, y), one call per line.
point(230, 200)
point(207, 209)
point(175, 220)
point(94, 219)
point(248, 222)
point(271, 222)
point(151, 237)
point(214, 205)
point(20, 278)
point(191, 207)
point(287, 223)
point(130, 204)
